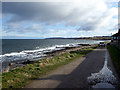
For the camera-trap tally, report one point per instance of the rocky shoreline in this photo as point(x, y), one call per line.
point(9, 66)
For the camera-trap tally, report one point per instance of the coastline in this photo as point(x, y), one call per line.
point(22, 76)
point(9, 66)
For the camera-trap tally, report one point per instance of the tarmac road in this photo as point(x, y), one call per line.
point(85, 72)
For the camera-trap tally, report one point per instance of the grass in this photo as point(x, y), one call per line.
point(21, 77)
point(106, 42)
point(115, 55)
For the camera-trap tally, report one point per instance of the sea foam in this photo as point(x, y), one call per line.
point(32, 54)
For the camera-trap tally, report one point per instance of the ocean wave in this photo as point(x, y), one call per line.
point(33, 54)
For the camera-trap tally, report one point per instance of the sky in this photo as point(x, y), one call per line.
point(45, 19)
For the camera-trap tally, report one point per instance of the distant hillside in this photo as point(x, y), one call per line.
point(56, 38)
point(102, 38)
point(91, 38)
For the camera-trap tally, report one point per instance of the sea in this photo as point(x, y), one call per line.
point(33, 49)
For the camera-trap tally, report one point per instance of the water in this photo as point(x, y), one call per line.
point(33, 49)
point(21, 50)
point(103, 86)
point(18, 45)
point(104, 78)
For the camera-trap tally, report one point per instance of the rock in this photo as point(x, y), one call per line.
point(37, 68)
point(11, 64)
point(41, 65)
point(7, 69)
point(71, 55)
point(47, 61)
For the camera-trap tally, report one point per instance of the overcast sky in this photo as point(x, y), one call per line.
point(60, 19)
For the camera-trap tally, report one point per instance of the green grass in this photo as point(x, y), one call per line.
point(21, 77)
point(115, 55)
point(106, 42)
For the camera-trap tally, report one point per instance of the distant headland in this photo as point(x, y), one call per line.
point(91, 38)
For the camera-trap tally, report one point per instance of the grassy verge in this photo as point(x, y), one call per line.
point(106, 42)
point(115, 55)
point(20, 77)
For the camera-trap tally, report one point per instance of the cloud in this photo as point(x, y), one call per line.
point(89, 15)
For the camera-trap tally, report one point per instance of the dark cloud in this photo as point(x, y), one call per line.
point(88, 16)
point(32, 11)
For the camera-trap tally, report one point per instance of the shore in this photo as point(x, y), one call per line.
point(9, 66)
point(22, 76)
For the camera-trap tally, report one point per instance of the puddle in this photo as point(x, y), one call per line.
point(104, 78)
point(103, 85)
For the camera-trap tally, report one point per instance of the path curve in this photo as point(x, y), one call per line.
point(75, 74)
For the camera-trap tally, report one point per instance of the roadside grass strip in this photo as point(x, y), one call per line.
point(115, 55)
point(23, 76)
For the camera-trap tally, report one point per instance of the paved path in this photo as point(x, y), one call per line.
point(81, 73)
